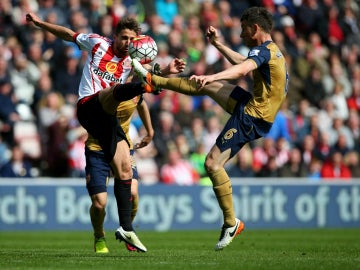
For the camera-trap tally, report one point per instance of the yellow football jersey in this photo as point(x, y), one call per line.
point(270, 82)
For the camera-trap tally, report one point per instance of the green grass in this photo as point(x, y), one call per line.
point(253, 249)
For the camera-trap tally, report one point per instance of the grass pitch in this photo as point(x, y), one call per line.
point(186, 250)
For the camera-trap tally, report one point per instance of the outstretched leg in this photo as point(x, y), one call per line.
point(218, 91)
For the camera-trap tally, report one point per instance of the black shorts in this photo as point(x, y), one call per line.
point(101, 125)
point(241, 128)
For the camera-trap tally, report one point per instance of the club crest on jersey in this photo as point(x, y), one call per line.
point(111, 67)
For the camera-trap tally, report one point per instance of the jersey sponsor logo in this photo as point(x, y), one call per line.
point(107, 76)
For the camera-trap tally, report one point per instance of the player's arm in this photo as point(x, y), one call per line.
point(144, 114)
point(232, 56)
point(58, 30)
point(232, 73)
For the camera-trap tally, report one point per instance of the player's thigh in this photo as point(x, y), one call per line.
point(220, 92)
point(107, 100)
point(121, 162)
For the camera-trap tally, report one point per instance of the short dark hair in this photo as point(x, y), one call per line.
point(128, 23)
point(260, 16)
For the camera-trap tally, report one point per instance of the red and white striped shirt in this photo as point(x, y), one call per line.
point(102, 68)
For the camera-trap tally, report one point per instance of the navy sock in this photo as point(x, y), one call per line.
point(127, 91)
point(122, 191)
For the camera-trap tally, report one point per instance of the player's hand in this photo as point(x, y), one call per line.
point(144, 142)
point(31, 17)
point(177, 66)
point(212, 34)
point(202, 80)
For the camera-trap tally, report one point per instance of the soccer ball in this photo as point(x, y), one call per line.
point(143, 48)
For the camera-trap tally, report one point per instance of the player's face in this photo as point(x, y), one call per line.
point(122, 41)
point(248, 34)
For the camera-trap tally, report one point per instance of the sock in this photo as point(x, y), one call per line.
point(135, 203)
point(122, 191)
point(97, 220)
point(223, 192)
point(181, 85)
point(127, 91)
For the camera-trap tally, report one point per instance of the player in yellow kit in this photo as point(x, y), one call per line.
point(252, 115)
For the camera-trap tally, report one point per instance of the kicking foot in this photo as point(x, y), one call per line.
point(144, 76)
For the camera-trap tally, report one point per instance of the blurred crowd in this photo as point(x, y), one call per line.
point(316, 135)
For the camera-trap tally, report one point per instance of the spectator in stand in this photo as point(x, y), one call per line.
point(352, 161)
point(336, 74)
point(189, 8)
point(54, 122)
point(341, 145)
point(5, 153)
point(148, 169)
point(334, 168)
point(167, 10)
point(280, 127)
point(294, 167)
point(197, 159)
point(262, 151)
point(76, 138)
point(8, 112)
point(300, 122)
point(213, 128)
point(18, 166)
point(195, 135)
point(354, 125)
point(242, 167)
point(270, 170)
point(326, 115)
point(323, 147)
point(314, 171)
point(339, 100)
point(353, 102)
point(334, 28)
point(338, 128)
point(314, 90)
point(282, 151)
point(157, 29)
point(164, 136)
point(24, 76)
point(309, 17)
point(177, 170)
point(67, 79)
point(351, 26)
point(308, 150)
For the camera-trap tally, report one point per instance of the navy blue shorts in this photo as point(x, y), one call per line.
point(241, 128)
point(102, 126)
point(98, 171)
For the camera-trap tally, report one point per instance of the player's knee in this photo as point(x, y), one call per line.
point(210, 165)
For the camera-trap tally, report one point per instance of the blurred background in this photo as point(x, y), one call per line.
point(316, 135)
